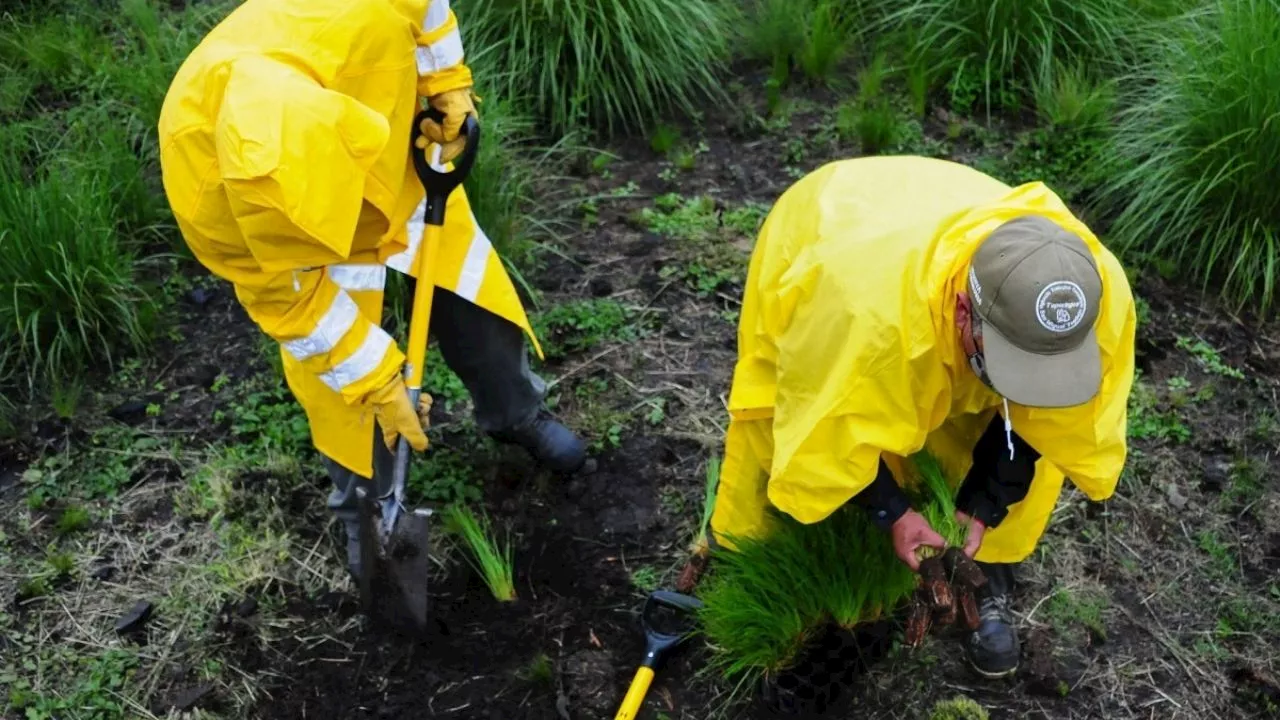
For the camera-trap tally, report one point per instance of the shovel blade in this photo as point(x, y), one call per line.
point(408, 564)
point(394, 581)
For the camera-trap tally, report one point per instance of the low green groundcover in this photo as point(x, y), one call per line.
point(765, 601)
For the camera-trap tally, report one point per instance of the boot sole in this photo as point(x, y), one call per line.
point(993, 675)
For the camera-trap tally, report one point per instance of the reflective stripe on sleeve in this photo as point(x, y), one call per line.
point(358, 276)
point(363, 361)
point(336, 322)
point(441, 54)
point(437, 15)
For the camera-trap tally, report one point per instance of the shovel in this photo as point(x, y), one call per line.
point(668, 621)
point(395, 543)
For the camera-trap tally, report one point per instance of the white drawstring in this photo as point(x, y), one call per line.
point(1008, 427)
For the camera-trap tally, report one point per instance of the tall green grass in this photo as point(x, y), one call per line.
point(814, 36)
point(990, 52)
point(1197, 150)
point(764, 601)
point(606, 64)
point(72, 293)
point(79, 193)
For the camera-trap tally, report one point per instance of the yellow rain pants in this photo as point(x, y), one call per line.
point(848, 350)
point(285, 152)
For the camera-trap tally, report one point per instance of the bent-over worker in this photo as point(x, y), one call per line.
point(285, 150)
point(894, 304)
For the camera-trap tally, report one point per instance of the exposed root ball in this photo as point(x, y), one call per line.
point(968, 608)
point(936, 588)
point(918, 621)
point(962, 569)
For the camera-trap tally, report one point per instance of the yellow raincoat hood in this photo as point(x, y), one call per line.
point(848, 341)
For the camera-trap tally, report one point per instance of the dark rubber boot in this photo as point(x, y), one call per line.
point(993, 648)
point(549, 442)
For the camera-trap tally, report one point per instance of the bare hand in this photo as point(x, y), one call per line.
point(976, 530)
point(912, 531)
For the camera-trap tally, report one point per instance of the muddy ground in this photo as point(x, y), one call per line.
point(1162, 603)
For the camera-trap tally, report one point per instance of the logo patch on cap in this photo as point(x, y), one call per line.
point(1061, 306)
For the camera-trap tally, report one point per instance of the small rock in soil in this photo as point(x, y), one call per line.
point(600, 287)
point(645, 245)
point(103, 573)
point(1176, 499)
point(132, 411)
point(187, 699)
point(203, 376)
point(201, 296)
point(135, 619)
point(247, 607)
point(1216, 473)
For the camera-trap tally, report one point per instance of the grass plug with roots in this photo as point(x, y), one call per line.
point(770, 602)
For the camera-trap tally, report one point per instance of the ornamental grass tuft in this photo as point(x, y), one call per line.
point(604, 64)
point(1197, 151)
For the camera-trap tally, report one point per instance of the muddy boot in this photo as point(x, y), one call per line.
point(993, 648)
point(550, 443)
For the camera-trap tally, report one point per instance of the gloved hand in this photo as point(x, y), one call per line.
point(455, 105)
point(397, 415)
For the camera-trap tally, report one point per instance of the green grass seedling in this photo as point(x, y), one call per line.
point(490, 558)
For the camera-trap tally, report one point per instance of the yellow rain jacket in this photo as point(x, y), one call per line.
point(285, 151)
point(848, 350)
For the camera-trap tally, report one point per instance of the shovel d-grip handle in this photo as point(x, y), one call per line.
point(656, 644)
point(659, 643)
point(439, 185)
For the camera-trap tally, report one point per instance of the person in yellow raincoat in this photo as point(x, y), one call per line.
point(894, 304)
point(285, 151)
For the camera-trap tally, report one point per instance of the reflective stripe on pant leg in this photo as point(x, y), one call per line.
point(1017, 536)
point(741, 498)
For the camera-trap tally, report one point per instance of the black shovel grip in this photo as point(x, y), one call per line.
point(658, 643)
point(439, 185)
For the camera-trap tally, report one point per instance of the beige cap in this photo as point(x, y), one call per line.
point(1037, 290)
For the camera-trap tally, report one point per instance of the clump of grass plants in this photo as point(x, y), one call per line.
point(1196, 150)
point(993, 50)
point(606, 64)
point(815, 36)
point(72, 290)
point(765, 600)
point(493, 560)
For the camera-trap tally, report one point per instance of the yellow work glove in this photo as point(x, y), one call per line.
point(397, 415)
point(455, 105)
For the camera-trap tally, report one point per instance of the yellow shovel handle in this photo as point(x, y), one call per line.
point(423, 294)
point(635, 694)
